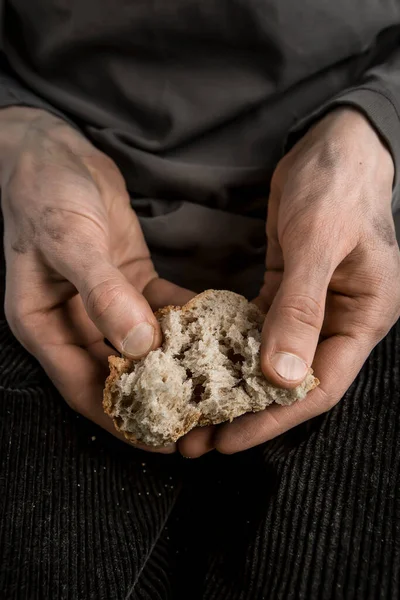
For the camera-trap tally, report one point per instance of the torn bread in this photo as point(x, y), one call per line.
point(206, 372)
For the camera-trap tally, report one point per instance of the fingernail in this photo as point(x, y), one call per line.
point(288, 366)
point(139, 340)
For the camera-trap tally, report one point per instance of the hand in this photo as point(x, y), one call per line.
point(332, 283)
point(78, 268)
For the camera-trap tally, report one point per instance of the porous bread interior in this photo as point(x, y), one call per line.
point(206, 372)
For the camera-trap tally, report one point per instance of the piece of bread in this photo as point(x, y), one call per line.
point(206, 372)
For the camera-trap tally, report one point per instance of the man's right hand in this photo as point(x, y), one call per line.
point(78, 268)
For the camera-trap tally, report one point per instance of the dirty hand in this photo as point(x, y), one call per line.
point(78, 268)
point(332, 281)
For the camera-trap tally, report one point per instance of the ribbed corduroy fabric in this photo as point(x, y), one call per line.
point(313, 514)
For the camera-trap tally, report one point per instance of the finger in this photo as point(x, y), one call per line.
point(79, 377)
point(197, 442)
point(293, 298)
point(272, 281)
point(117, 309)
point(160, 293)
point(346, 313)
point(42, 309)
point(337, 362)
point(293, 323)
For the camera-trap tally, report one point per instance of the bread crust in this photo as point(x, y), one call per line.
point(118, 365)
point(161, 312)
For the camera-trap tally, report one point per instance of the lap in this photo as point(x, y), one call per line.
point(311, 514)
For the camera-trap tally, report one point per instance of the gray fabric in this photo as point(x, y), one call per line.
point(227, 250)
point(194, 100)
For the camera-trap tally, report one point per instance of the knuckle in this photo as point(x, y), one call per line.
point(325, 401)
point(381, 313)
point(302, 309)
point(382, 326)
point(103, 297)
point(373, 323)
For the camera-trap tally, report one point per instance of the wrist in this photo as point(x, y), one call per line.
point(373, 147)
point(17, 121)
point(18, 124)
point(14, 121)
point(360, 141)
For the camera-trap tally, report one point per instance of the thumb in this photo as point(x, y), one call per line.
point(117, 309)
point(293, 323)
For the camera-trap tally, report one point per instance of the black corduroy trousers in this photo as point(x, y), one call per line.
point(313, 514)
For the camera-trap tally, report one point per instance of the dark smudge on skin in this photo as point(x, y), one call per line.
point(385, 231)
point(25, 238)
point(51, 220)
